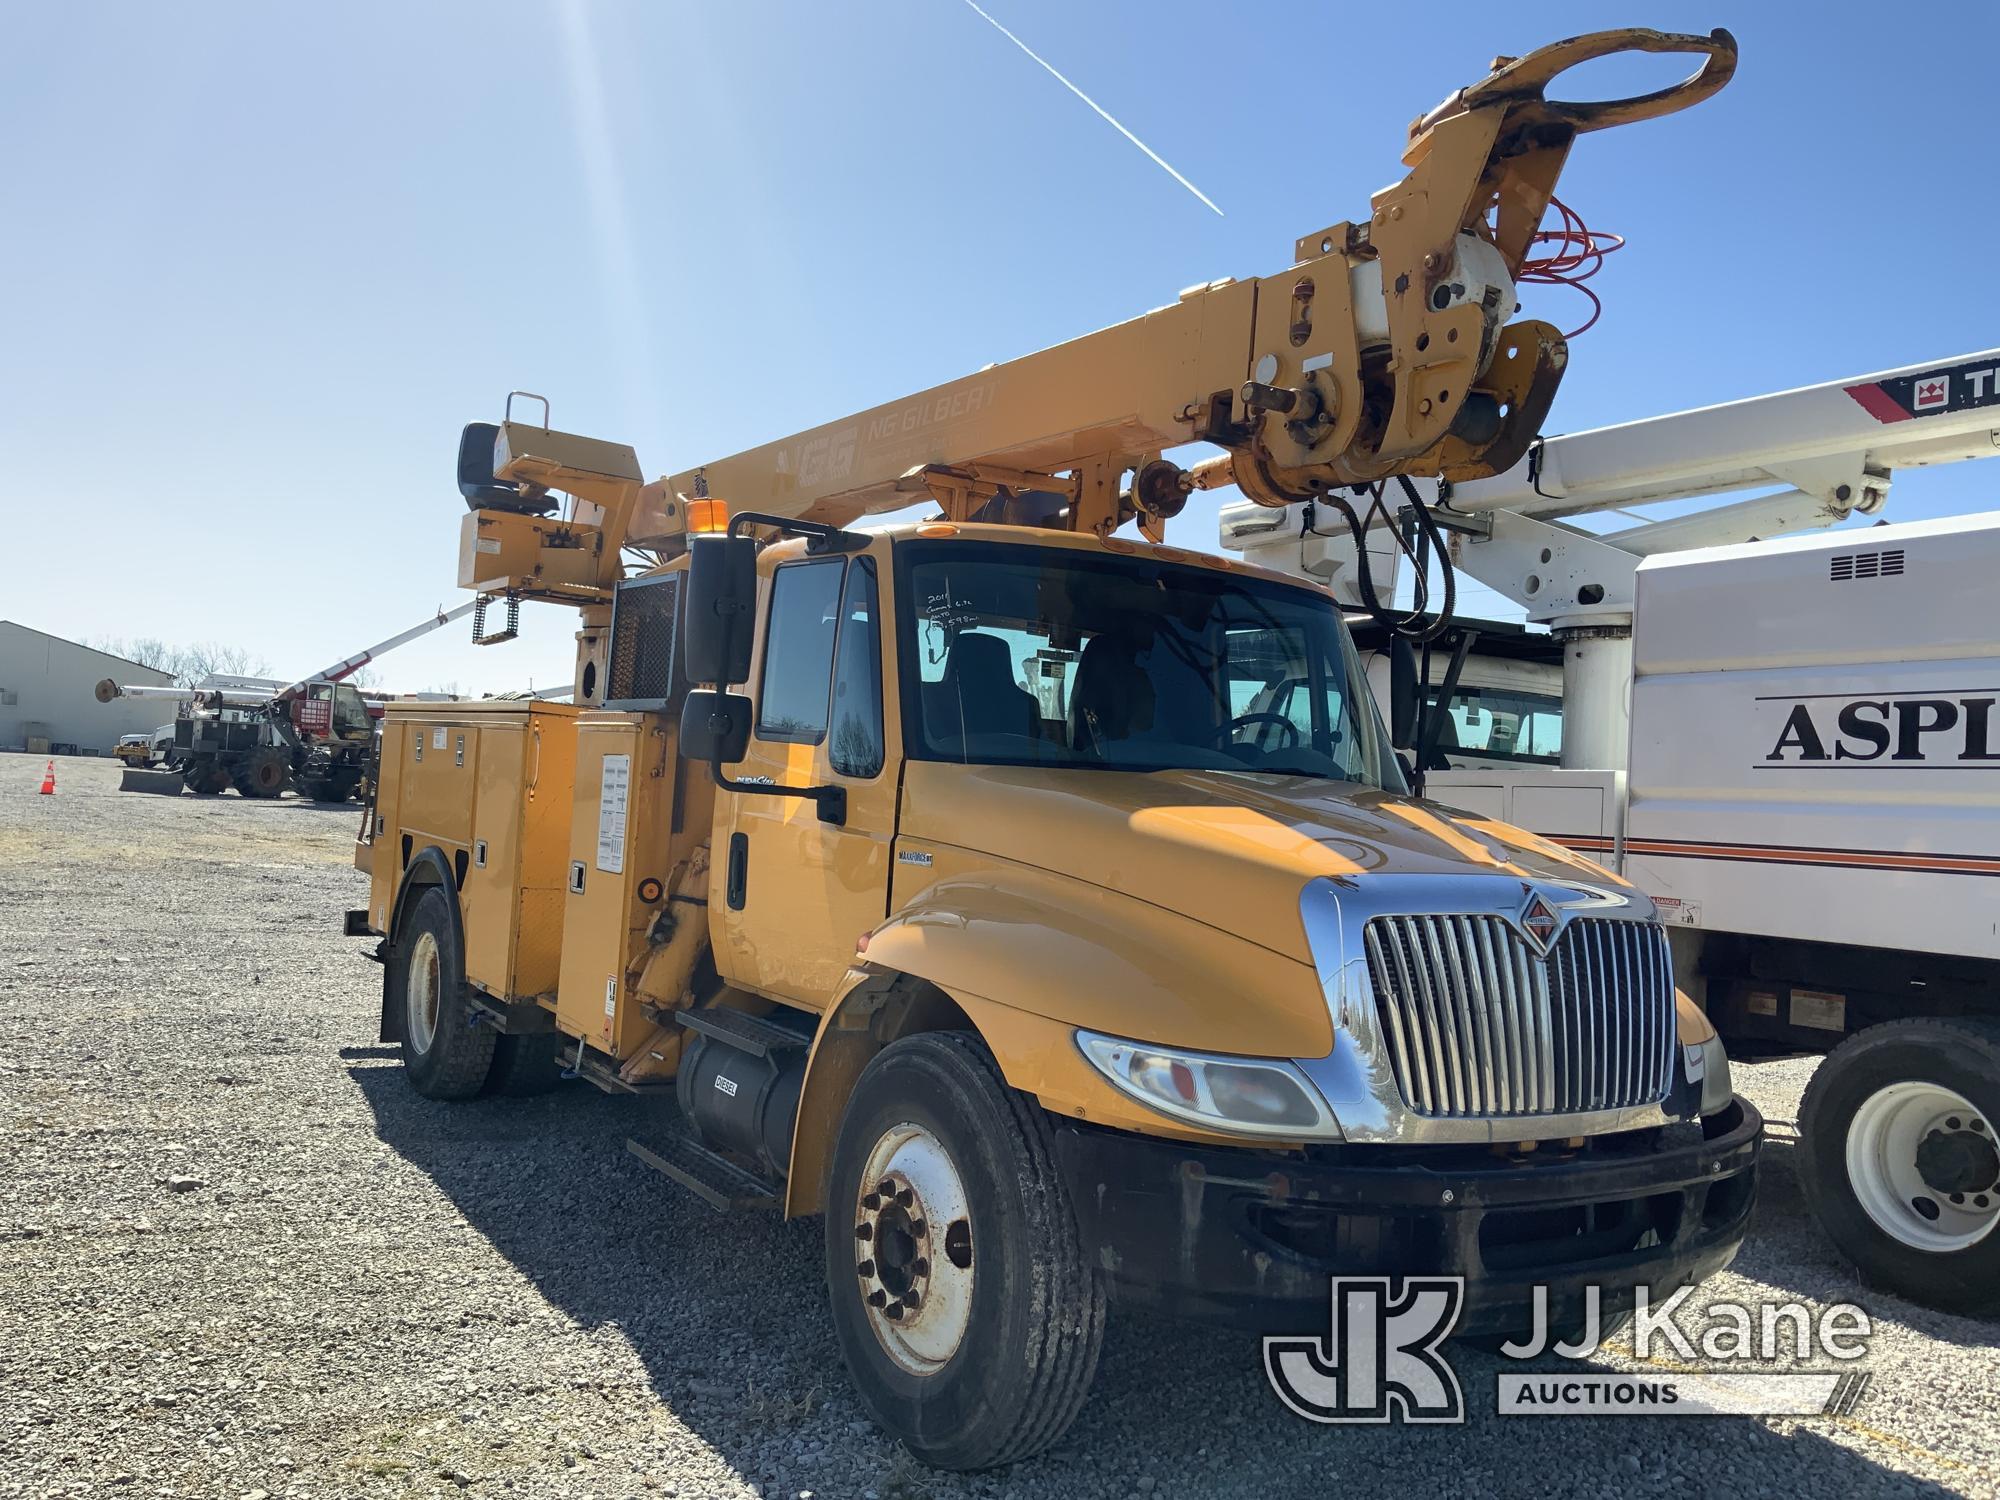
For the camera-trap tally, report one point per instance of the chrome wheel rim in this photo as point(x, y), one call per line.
point(1924, 1164)
point(913, 1249)
point(422, 991)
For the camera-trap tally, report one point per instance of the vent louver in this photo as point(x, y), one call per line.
point(1848, 566)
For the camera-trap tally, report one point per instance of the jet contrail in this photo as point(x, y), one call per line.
point(1157, 158)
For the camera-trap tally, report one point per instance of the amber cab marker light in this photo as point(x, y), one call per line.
point(708, 516)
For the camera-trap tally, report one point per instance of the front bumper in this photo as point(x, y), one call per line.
point(1251, 1238)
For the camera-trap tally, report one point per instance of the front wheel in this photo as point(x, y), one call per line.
point(264, 773)
point(1901, 1164)
point(967, 1311)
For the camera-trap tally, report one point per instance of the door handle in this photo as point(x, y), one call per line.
point(739, 870)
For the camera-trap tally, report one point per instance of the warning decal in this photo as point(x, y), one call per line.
point(612, 792)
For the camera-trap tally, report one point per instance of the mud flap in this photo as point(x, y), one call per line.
point(166, 783)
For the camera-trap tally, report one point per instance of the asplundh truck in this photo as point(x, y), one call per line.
point(1045, 908)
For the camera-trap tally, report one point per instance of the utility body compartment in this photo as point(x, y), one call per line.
point(488, 784)
point(620, 853)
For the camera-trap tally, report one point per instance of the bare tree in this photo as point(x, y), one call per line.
point(187, 665)
point(207, 658)
point(147, 651)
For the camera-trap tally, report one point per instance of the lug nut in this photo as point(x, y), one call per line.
point(905, 1198)
point(877, 1297)
point(912, 1300)
point(922, 1267)
point(887, 1187)
point(872, 1202)
point(866, 1268)
point(893, 1312)
point(917, 1228)
point(864, 1231)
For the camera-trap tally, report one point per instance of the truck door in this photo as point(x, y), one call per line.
point(796, 893)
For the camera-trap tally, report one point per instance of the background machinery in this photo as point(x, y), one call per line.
point(262, 735)
point(1788, 736)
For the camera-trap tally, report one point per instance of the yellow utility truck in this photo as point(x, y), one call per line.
point(1047, 908)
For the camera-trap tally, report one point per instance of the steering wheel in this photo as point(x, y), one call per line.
point(1228, 731)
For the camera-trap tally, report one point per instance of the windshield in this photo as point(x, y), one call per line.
point(1050, 656)
point(350, 711)
point(1502, 724)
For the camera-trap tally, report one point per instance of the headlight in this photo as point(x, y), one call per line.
point(1708, 1065)
point(1248, 1096)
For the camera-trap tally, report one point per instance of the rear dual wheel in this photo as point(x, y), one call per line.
point(1900, 1138)
point(968, 1313)
point(446, 1056)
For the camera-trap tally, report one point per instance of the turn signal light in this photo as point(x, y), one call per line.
point(708, 516)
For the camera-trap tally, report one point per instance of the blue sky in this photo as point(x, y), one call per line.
point(262, 261)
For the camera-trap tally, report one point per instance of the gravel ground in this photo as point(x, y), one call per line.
point(240, 1257)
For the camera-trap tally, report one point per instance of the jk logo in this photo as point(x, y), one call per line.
point(1382, 1363)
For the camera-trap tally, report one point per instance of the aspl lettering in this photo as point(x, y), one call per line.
point(1915, 730)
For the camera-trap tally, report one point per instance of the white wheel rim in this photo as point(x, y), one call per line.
point(422, 990)
point(914, 1249)
point(1883, 1143)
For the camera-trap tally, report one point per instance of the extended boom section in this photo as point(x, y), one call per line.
point(1385, 349)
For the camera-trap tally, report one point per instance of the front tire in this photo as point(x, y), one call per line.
point(264, 773)
point(967, 1311)
point(202, 776)
point(1900, 1140)
point(445, 1056)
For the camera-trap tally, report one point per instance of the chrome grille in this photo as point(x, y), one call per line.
point(1479, 1024)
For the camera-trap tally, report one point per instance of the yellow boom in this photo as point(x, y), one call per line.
point(1385, 349)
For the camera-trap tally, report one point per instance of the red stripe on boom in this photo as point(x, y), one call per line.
point(1875, 401)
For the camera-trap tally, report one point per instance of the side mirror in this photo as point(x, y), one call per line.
point(1403, 694)
point(721, 605)
point(715, 726)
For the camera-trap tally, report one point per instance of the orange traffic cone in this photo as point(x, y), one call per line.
point(49, 780)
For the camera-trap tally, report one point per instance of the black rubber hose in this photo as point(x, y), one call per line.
point(1410, 626)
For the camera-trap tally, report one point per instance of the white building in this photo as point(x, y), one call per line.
point(48, 693)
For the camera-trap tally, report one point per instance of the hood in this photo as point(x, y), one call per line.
point(1231, 850)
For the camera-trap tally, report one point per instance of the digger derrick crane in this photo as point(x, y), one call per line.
point(1384, 350)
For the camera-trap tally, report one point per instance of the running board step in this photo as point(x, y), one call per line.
point(743, 1031)
point(715, 1178)
point(591, 1070)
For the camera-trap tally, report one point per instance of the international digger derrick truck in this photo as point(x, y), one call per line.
point(1045, 908)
